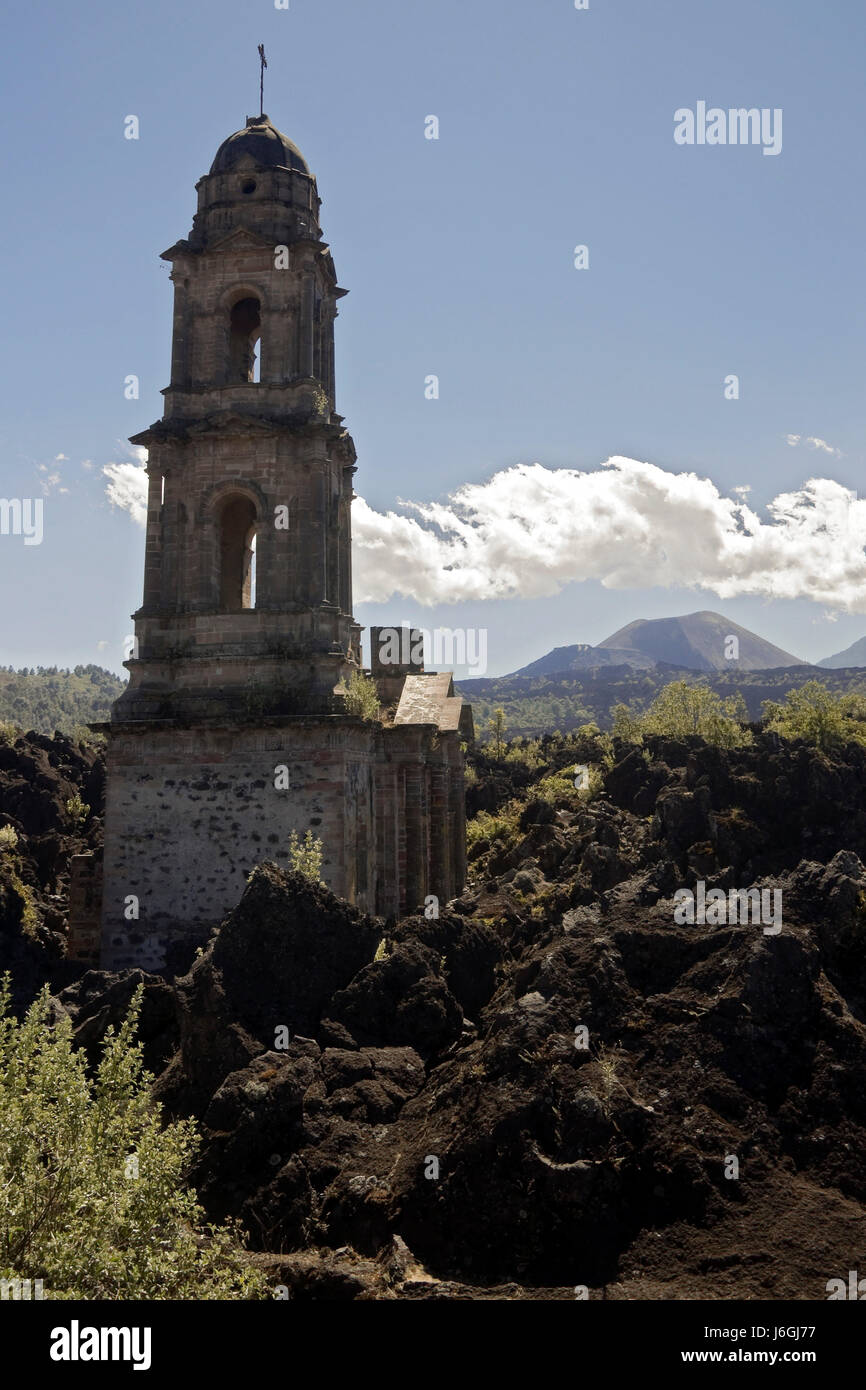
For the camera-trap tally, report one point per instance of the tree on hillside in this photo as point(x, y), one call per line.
point(683, 709)
point(813, 713)
point(496, 727)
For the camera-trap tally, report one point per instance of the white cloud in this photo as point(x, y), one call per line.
point(100, 646)
point(812, 442)
point(127, 489)
point(530, 530)
point(51, 475)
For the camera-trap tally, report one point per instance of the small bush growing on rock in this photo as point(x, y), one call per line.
point(77, 811)
point(305, 856)
point(557, 789)
point(10, 863)
point(608, 1061)
point(525, 751)
point(485, 828)
point(595, 785)
point(92, 1193)
point(813, 713)
point(8, 731)
point(361, 696)
point(626, 724)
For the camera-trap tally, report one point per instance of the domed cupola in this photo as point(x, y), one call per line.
point(260, 182)
point(258, 146)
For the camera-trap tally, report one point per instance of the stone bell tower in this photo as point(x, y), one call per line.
point(234, 731)
point(249, 471)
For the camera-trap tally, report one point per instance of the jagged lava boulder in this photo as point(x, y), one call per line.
point(275, 962)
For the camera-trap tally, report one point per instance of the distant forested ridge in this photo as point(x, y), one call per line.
point(45, 698)
point(564, 700)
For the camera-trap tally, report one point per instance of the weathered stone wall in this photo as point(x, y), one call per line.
point(190, 811)
point(421, 818)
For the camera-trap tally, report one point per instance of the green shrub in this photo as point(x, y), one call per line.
point(305, 856)
point(361, 696)
point(496, 727)
point(593, 747)
point(11, 862)
point(595, 784)
point(485, 828)
point(626, 724)
point(683, 709)
point(8, 732)
point(93, 1199)
point(813, 713)
point(77, 811)
point(557, 788)
point(10, 866)
point(526, 752)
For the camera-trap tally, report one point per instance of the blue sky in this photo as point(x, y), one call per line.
point(556, 129)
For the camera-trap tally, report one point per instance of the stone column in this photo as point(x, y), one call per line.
point(180, 365)
point(153, 541)
point(388, 816)
point(440, 850)
point(308, 300)
point(415, 781)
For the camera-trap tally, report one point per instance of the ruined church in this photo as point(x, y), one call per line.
point(234, 730)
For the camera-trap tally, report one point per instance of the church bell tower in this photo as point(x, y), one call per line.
point(247, 586)
point(234, 733)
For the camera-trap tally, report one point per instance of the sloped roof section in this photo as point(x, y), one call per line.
point(430, 699)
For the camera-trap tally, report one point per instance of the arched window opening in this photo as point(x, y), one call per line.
point(245, 331)
point(237, 525)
